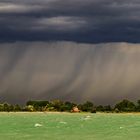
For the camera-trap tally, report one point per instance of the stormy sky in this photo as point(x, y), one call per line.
point(74, 50)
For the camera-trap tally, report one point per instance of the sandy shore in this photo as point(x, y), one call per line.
point(98, 113)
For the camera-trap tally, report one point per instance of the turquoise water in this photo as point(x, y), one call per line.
point(67, 126)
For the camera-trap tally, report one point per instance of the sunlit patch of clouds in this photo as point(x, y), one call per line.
point(17, 8)
point(60, 23)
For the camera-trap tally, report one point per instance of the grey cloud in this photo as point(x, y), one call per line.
point(103, 73)
point(93, 21)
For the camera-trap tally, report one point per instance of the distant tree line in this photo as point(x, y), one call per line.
point(57, 105)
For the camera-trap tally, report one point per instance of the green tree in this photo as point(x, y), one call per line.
point(57, 104)
point(38, 105)
point(1, 107)
point(6, 107)
point(67, 106)
point(107, 108)
point(17, 108)
point(138, 106)
point(126, 106)
point(87, 106)
point(30, 108)
point(100, 108)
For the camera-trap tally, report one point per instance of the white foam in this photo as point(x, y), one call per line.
point(63, 122)
point(38, 125)
point(88, 116)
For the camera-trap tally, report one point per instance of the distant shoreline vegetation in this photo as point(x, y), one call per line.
point(60, 106)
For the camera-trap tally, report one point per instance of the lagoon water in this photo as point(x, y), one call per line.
point(69, 126)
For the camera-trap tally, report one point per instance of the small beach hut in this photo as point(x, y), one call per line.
point(75, 109)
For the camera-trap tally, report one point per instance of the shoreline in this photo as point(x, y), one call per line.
point(97, 113)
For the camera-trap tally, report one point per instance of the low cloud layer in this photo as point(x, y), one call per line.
point(103, 73)
point(92, 21)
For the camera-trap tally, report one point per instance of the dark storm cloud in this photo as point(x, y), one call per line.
point(103, 73)
point(74, 20)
